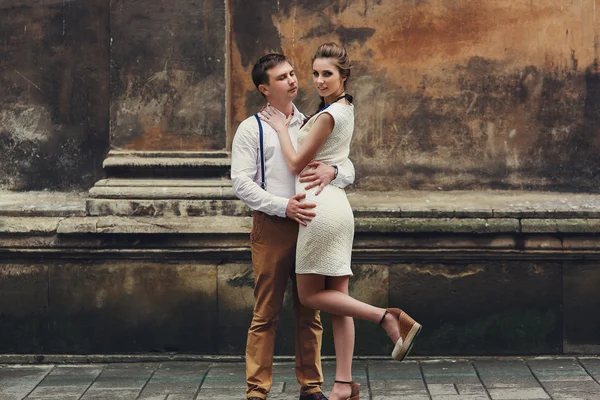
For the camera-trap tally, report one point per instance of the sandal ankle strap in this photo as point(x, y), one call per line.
point(383, 318)
point(346, 382)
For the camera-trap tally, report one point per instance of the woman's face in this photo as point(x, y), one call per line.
point(327, 78)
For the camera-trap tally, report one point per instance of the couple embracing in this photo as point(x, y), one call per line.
point(292, 171)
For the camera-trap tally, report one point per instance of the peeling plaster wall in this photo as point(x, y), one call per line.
point(168, 74)
point(54, 96)
point(449, 94)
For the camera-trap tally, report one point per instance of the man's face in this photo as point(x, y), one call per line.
point(283, 84)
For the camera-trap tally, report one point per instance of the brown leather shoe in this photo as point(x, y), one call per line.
point(313, 396)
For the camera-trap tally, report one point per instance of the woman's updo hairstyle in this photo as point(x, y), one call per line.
point(338, 54)
point(340, 58)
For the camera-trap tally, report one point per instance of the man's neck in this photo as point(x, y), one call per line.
point(286, 108)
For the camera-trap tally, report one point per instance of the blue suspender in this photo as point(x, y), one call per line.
point(262, 154)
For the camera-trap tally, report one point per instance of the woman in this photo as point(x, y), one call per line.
point(324, 250)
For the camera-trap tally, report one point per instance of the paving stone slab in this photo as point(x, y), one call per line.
point(437, 389)
point(221, 394)
point(111, 394)
point(393, 380)
point(224, 394)
point(445, 379)
point(565, 378)
point(129, 376)
point(504, 379)
point(17, 381)
point(226, 376)
point(181, 396)
point(592, 366)
point(67, 381)
point(518, 394)
point(588, 390)
point(400, 396)
point(558, 369)
point(175, 378)
point(505, 373)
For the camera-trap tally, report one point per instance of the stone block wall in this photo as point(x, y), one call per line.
point(129, 306)
point(513, 284)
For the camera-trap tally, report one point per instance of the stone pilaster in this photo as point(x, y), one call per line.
point(167, 112)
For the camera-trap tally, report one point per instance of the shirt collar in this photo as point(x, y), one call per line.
point(298, 117)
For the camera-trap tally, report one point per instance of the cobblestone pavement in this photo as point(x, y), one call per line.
point(503, 378)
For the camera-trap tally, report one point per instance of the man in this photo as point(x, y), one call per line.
point(278, 211)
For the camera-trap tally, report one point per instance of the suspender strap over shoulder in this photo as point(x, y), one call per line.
point(262, 153)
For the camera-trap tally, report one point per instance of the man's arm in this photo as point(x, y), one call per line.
point(346, 174)
point(322, 174)
point(244, 153)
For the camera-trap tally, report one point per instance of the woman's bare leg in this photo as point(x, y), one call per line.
point(313, 294)
point(343, 339)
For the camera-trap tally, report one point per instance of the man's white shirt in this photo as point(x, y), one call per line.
point(279, 181)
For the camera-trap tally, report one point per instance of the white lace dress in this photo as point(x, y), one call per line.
point(325, 245)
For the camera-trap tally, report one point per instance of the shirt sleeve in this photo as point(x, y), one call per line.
point(346, 174)
point(244, 153)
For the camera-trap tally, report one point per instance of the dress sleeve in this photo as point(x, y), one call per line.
point(338, 113)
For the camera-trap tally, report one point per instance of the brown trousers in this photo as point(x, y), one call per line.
point(273, 243)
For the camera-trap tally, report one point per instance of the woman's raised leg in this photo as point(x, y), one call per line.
point(314, 294)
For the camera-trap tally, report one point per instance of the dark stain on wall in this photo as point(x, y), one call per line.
point(168, 75)
point(54, 115)
point(253, 29)
point(527, 122)
point(347, 35)
point(582, 322)
point(494, 309)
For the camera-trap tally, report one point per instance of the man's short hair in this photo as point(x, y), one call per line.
point(265, 63)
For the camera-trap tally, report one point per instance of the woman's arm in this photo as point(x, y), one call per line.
point(315, 139)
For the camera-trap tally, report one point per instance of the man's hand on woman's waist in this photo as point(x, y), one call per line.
point(317, 174)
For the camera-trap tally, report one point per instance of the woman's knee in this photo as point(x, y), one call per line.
point(306, 299)
point(308, 287)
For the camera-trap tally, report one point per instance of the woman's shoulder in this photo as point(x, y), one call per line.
point(341, 110)
point(336, 111)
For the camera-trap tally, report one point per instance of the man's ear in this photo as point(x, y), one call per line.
point(263, 89)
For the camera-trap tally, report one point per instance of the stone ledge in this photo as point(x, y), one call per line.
point(137, 164)
point(42, 204)
point(33, 225)
point(176, 193)
point(166, 208)
point(172, 193)
point(243, 224)
point(437, 225)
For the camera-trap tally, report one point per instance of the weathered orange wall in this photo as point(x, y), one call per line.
point(449, 94)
